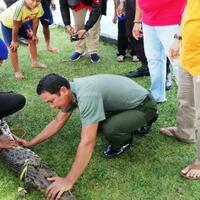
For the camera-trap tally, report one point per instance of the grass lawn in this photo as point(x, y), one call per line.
point(148, 171)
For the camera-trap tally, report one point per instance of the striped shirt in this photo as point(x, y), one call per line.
point(19, 12)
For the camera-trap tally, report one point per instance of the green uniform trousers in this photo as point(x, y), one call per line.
point(118, 128)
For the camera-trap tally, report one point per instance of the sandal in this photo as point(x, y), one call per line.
point(189, 169)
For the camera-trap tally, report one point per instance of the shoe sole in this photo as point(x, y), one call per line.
point(123, 149)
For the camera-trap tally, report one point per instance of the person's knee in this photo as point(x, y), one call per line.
point(20, 100)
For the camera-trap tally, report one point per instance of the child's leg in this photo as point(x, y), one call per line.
point(33, 55)
point(7, 35)
point(46, 33)
point(15, 64)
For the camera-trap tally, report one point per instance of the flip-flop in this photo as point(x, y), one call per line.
point(169, 131)
point(191, 167)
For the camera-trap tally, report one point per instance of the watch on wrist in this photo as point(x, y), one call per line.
point(178, 37)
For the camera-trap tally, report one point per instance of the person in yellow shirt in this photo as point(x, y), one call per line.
point(22, 19)
point(188, 115)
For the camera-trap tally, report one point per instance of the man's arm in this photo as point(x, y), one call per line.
point(51, 129)
point(137, 28)
point(65, 13)
point(83, 156)
point(94, 14)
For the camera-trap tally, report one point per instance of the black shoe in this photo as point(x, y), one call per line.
point(112, 152)
point(139, 72)
point(145, 129)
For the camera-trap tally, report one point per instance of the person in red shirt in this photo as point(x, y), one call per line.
point(92, 25)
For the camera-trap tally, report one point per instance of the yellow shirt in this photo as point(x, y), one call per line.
point(190, 49)
point(19, 12)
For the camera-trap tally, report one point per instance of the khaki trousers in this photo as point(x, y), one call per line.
point(92, 36)
point(188, 115)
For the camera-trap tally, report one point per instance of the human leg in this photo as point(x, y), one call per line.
point(10, 103)
point(93, 41)
point(193, 171)
point(156, 57)
point(46, 33)
point(33, 55)
point(46, 20)
point(79, 19)
point(7, 35)
point(185, 117)
point(122, 40)
point(118, 129)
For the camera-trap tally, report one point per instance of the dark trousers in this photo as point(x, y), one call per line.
point(122, 39)
point(10, 103)
point(119, 128)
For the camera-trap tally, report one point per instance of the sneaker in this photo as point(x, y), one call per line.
point(135, 59)
point(120, 58)
point(4, 128)
point(139, 72)
point(112, 152)
point(145, 129)
point(94, 57)
point(76, 56)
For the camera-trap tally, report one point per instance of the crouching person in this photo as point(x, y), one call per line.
point(117, 103)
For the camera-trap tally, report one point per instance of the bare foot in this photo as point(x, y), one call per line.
point(169, 131)
point(39, 65)
point(52, 49)
point(19, 75)
point(191, 172)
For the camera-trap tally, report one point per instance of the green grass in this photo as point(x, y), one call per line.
point(148, 171)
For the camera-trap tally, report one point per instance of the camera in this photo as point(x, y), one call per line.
point(74, 37)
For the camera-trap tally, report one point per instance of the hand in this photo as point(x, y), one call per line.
point(120, 9)
point(137, 31)
point(35, 39)
point(69, 29)
point(81, 33)
point(53, 5)
point(58, 186)
point(175, 49)
point(114, 20)
point(6, 142)
point(22, 142)
point(14, 46)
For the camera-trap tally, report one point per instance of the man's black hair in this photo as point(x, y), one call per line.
point(52, 84)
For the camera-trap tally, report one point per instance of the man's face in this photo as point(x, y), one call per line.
point(60, 100)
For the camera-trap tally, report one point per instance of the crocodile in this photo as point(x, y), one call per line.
point(34, 171)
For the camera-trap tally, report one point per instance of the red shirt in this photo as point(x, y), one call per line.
point(81, 6)
point(161, 12)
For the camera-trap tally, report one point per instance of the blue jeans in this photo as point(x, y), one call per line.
point(157, 42)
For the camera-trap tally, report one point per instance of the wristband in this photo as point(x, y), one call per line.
point(137, 22)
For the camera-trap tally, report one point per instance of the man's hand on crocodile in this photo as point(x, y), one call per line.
point(58, 186)
point(22, 142)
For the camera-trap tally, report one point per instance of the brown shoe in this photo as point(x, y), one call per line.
point(169, 131)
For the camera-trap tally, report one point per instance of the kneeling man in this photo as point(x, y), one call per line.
point(118, 104)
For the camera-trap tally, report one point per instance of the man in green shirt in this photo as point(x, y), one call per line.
point(117, 103)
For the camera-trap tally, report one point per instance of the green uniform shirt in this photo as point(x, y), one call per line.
point(101, 94)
